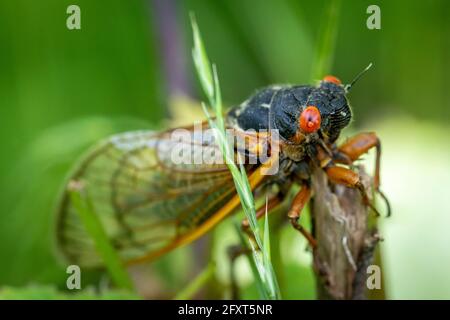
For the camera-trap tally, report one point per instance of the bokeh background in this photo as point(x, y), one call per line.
point(130, 67)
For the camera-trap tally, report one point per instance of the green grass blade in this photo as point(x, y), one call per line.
point(95, 229)
point(195, 285)
point(265, 274)
point(201, 61)
point(327, 41)
point(258, 281)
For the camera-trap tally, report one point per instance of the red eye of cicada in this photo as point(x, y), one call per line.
point(310, 119)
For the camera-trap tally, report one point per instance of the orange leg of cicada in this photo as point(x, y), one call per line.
point(295, 210)
point(348, 178)
point(351, 150)
point(299, 202)
point(356, 146)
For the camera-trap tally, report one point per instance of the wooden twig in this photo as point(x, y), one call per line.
point(345, 244)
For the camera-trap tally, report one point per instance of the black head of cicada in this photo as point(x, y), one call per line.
point(314, 112)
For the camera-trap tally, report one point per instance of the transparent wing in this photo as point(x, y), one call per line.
point(145, 195)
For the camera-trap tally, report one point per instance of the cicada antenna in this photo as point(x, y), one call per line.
point(347, 87)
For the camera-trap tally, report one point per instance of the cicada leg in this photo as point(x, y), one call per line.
point(297, 206)
point(356, 146)
point(299, 202)
point(349, 179)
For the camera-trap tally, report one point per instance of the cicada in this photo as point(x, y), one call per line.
point(150, 204)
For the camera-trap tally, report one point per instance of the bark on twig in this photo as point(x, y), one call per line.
point(345, 244)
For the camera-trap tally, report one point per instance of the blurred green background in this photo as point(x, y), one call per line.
point(62, 90)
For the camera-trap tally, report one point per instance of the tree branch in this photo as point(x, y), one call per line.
point(345, 243)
